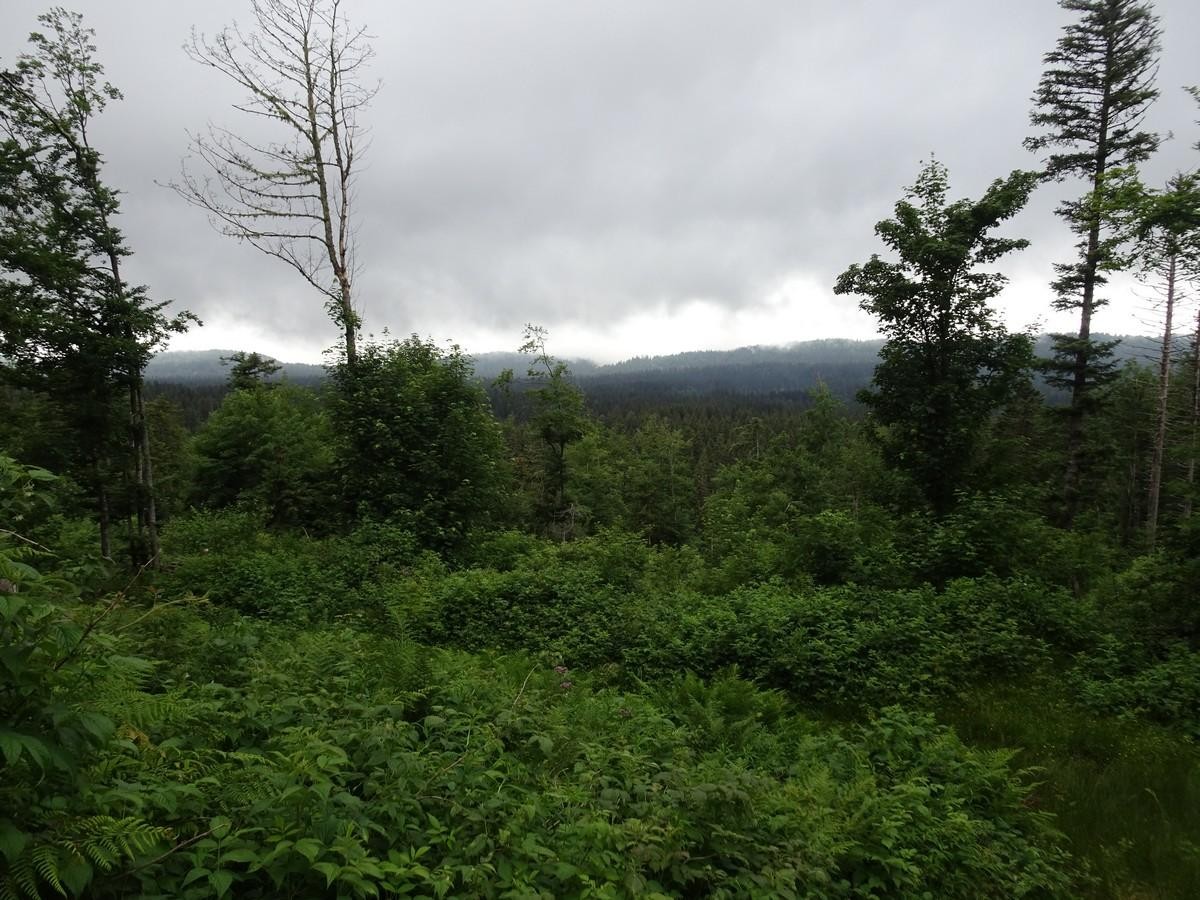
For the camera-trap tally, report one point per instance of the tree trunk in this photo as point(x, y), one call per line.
point(138, 432)
point(1160, 433)
point(350, 322)
point(103, 513)
point(1079, 380)
point(1195, 435)
point(146, 474)
point(1091, 263)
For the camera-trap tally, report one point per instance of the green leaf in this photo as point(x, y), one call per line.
point(12, 840)
point(100, 727)
point(242, 854)
point(565, 871)
point(10, 605)
point(221, 881)
point(309, 848)
point(10, 746)
point(330, 870)
point(12, 743)
point(76, 873)
point(219, 826)
point(196, 874)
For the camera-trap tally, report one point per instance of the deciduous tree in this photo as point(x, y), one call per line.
point(418, 442)
point(1168, 253)
point(947, 364)
point(72, 325)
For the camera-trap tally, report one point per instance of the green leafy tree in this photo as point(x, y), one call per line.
point(559, 418)
point(947, 364)
point(598, 462)
point(642, 481)
point(1168, 253)
point(70, 324)
point(1089, 108)
point(417, 438)
point(272, 449)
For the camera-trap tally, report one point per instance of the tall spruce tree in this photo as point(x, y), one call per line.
point(1089, 108)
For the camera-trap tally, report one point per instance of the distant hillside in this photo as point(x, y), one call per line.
point(489, 365)
point(205, 367)
point(843, 365)
point(837, 351)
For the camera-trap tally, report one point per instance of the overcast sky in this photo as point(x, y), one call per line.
point(638, 176)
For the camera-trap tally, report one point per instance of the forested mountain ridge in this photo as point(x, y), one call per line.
point(764, 377)
point(207, 367)
point(832, 355)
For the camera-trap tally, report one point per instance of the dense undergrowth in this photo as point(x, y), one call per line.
point(279, 715)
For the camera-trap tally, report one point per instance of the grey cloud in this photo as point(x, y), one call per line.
point(549, 161)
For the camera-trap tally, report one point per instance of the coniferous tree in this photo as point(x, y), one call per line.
point(249, 370)
point(1194, 411)
point(1089, 109)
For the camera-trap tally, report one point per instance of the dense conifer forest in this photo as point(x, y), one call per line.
point(917, 618)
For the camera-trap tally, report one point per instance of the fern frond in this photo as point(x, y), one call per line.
point(105, 840)
point(45, 861)
point(22, 880)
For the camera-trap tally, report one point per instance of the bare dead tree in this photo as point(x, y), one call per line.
point(290, 197)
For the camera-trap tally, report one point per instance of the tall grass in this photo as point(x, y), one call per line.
point(1127, 794)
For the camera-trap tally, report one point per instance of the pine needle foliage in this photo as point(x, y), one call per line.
point(1089, 109)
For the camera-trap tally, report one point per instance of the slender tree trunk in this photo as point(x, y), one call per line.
point(1079, 381)
point(138, 431)
point(349, 321)
point(1195, 435)
point(1080, 386)
point(1091, 263)
point(1160, 433)
point(335, 246)
point(103, 512)
point(132, 533)
point(146, 473)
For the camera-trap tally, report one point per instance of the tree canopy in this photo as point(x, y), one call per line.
point(947, 364)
